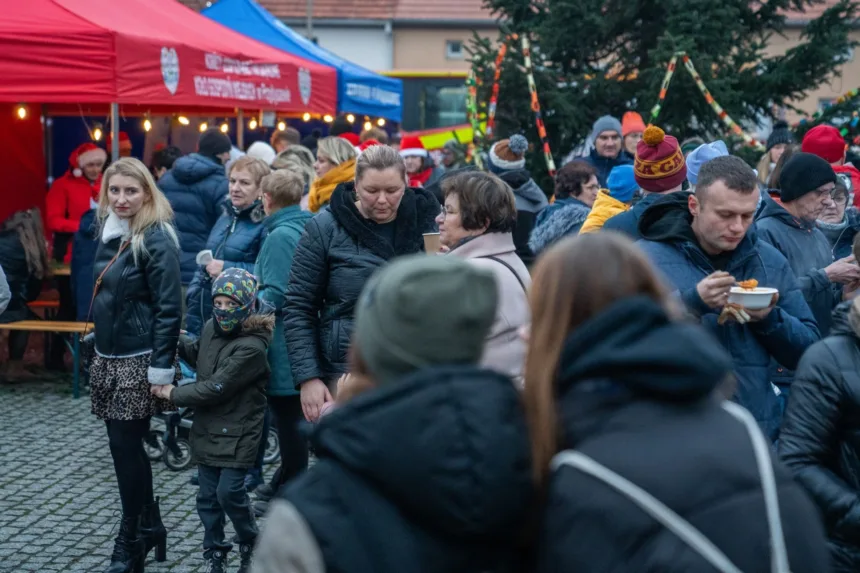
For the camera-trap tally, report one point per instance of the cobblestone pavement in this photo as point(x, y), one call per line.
point(59, 504)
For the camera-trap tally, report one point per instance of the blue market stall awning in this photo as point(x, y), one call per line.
point(360, 91)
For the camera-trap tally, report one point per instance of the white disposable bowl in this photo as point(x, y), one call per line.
point(753, 299)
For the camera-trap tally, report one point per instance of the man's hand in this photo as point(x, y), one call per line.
point(314, 394)
point(714, 289)
point(844, 271)
point(215, 268)
point(759, 315)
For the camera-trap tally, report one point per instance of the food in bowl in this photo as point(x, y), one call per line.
point(757, 298)
point(749, 284)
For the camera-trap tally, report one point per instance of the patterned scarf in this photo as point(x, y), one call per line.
point(241, 287)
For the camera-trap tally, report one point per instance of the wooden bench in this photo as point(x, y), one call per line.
point(73, 328)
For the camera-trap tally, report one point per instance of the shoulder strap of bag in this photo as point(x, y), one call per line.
point(98, 284)
point(678, 525)
point(509, 267)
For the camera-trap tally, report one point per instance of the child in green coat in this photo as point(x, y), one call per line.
point(229, 404)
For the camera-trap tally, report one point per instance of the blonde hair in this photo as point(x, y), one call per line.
point(380, 158)
point(154, 212)
point(284, 187)
point(374, 133)
point(337, 149)
point(298, 159)
point(256, 167)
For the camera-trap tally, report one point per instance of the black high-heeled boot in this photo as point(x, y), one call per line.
point(153, 532)
point(128, 549)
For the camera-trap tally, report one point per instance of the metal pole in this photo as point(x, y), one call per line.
point(240, 129)
point(114, 131)
point(309, 27)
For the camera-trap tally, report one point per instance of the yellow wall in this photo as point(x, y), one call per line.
point(425, 49)
point(847, 79)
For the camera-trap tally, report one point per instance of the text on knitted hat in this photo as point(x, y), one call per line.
point(659, 168)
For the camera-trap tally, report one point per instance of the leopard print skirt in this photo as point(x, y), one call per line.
point(119, 388)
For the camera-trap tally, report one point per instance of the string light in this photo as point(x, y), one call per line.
point(183, 120)
point(380, 122)
point(368, 126)
point(306, 116)
point(225, 127)
point(147, 125)
point(252, 124)
point(328, 119)
point(203, 127)
point(21, 112)
point(350, 118)
point(282, 126)
point(97, 133)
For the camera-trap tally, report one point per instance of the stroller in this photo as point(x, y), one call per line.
point(172, 446)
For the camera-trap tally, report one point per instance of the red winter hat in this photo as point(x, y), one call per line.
point(85, 153)
point(411, 146)
point(826, 142)
point(366, 144)
point(631, 123)
point(660, 164)
point(124, 141)
point(353, 138)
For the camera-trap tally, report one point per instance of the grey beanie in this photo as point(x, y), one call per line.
point(424, 310)
point(605, 123)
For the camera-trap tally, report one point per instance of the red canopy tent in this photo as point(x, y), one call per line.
point(149, 52)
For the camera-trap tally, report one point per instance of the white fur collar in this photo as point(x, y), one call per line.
point(115, 228)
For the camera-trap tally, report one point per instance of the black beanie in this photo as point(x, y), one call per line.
point(213, 143)
point(780, 134)
point(340, 126)
point(802, 174)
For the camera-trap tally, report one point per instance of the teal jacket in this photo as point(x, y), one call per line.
point(272, 270)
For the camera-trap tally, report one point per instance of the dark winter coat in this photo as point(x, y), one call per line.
point(23, 286)
point(138, 305)
point(235, 239)
point(430, 474)
point(820, 439)
point(628, 221)
point(784, 335)
point(604, 165)
point(228, 398)
point(842, 239)
point(808, 252)
point(84, 247)
point(561, 223)
point(196, 187)
point(337, 253)
point(637, 395)
point(531, 200)
point(272, 270)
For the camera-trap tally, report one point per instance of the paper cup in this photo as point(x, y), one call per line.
point(431, 243)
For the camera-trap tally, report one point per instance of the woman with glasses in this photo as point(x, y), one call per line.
point(839, 223)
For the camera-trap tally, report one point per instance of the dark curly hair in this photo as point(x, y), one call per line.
point(570, 179)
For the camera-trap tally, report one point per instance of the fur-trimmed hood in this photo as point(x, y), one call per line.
point(416, 215)
point(256, 213)
point(263, 323)
point(561, 222)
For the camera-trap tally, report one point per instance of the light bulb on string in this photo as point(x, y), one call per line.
point(328, 119)
point(21, 111)
point(252, 124)
point(350, 118)
point(282, 126)
point(225, 127)
point(380, 122)
point(203, 127)
point(368, 126)
point(306, 117)
point(147, 125)
point(97, 133)
point(183, 120)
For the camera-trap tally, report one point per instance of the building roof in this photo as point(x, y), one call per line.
point(397, 10)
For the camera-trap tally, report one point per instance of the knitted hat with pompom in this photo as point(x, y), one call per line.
point(509, 154)
point(660, 166)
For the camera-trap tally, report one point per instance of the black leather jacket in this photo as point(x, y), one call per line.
point(138, 306)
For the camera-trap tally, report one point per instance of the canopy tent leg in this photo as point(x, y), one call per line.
point(114, 131)
point(240, 129)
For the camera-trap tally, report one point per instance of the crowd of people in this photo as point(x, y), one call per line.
point(492, 376)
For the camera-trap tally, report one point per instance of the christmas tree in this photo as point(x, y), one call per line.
point(597, 57)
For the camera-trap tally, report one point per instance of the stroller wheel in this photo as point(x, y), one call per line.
point(273, 449)
point(177, 456)
point(153, 444)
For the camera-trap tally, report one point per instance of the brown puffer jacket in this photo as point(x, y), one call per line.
point(229, 397)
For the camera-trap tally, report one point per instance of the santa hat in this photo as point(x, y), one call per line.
point(660, 165)
point(353, 138)
point(124, 141)
point(411, 146)
point(366, 144)
point(85, 153)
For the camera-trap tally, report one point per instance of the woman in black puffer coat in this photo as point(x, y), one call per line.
point(820, 437)
point(611, 374)
point(339, 250)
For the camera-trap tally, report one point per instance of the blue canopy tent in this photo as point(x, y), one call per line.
point(360, 91)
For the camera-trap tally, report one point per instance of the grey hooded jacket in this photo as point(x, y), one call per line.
point(5, 293)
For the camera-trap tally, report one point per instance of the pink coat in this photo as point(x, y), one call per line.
point(505, 351)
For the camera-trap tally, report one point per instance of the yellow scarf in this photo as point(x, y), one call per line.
point(322, 188)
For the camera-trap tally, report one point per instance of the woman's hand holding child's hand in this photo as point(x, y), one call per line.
point(162, 391)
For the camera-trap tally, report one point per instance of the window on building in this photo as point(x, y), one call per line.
point(454, 50)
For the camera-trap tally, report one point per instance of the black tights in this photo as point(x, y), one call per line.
point(133, 471)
